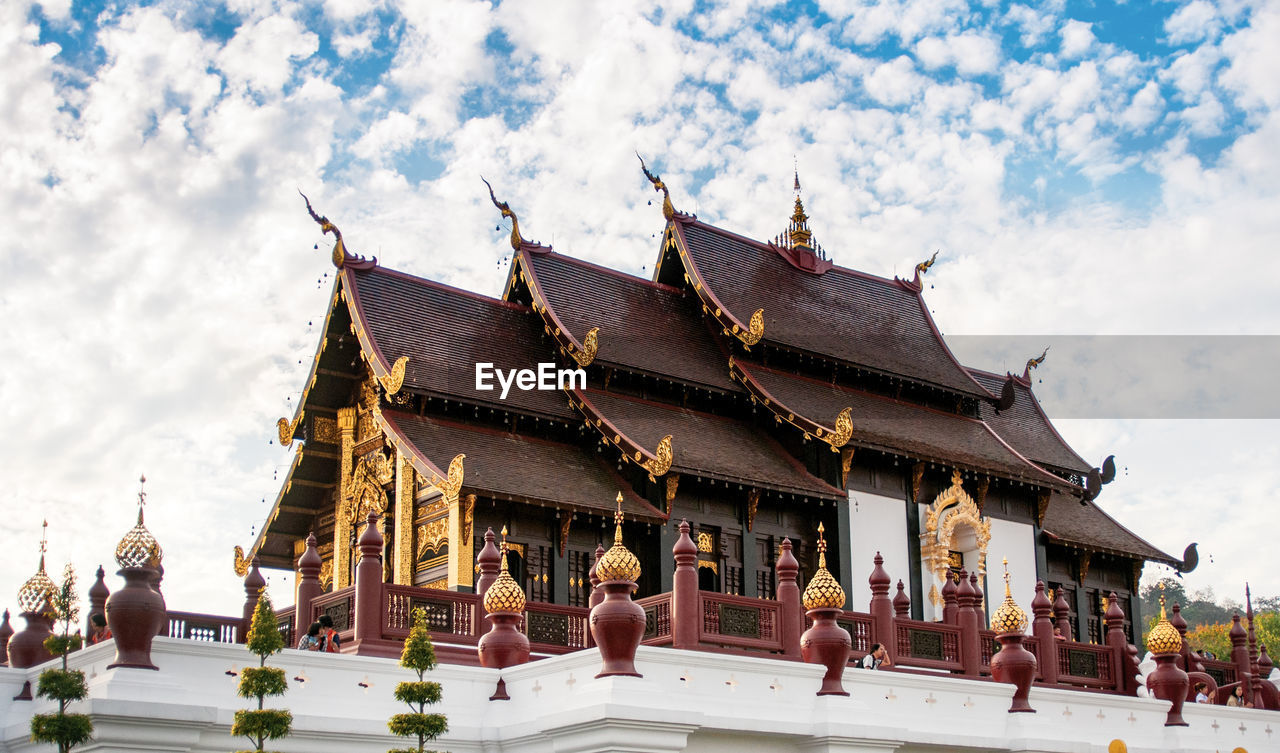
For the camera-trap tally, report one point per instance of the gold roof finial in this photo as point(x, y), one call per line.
point(1164, 637)
point(798, 235)
point(139, 548)
point(1008, 617)
point(618, 563)
point(517, 240)
point(668, 211)
point(34, 595)
point(823, 591)
point(505, 595)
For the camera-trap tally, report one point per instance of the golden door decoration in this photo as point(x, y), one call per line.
point(953, 507)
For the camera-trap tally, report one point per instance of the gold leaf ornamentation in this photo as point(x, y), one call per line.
point(755, 329)
point(590, 346)
point(393, 381)
point(661, 462)
point(844, 429)
point(673, 482)
point(452, 484)
point(433, 536)
point(326, 574)
point(241, 564)
point(286, 430)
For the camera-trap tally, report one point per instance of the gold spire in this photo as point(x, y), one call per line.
point(35, 594)
point(823, 591)
point(1164, 637)
point(798, 235)
point(505, 595)
point(1008, 617)
point(139, 548)
point(618, 563)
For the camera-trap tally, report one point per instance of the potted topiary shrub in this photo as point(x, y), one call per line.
point(420, 656)
point(261, 682)
point(63, 685)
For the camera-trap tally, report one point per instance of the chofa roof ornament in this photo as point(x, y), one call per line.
point(341, 257)
point(517, 240)
point(668, 210)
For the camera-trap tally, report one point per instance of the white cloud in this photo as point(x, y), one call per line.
point(971, 53)
point(1144, 109)
point(1254, 58)
point(1077, 38)
point(1193, 22)
point(894, 82)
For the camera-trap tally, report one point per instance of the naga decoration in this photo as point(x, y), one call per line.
point(660, 463)
point(755, 329)
point(668, 211)
point(844, 430)
point(241, 563)
point(517, 240)
point(590, 346)
point(341, 257)
point(287, 430)
point(1034, 363)
point(392, 381)
point(924, 267)
point(451, 485)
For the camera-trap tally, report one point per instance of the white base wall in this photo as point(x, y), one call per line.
point(876, 524)
point(686, 701)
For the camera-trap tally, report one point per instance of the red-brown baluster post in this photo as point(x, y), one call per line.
point(253, 585)
point(1062, 612)
point(488, 564)
point(597, 593)
point(1042, 629)
point(881, 608)
point(901, 603)
point(684, 592)
point(789, 599)
point(98, 594)
point(1180, 624)
point(970, 621)
point(950, 605)
point(1255, 679)
point(369, 584)
point(309, 588)
point(6, 632)
point(1119, 645)
point(1240, 655)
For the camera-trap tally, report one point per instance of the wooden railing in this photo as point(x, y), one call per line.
point(1222, 672)
point(203, 627)
point(739, 622)
point(284, 623)
point(555, 629)
point(340, 606)
point(451, 616)
point(1086, 664)
point(657, 619)
point(928, 645)
point(990, 647)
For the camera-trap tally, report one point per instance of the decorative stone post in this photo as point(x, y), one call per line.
point(26, 648)
point(1013, 663)
point(1119, 644)
point(617, 622)
point(684, 592)
point(881, 608)
point(309, 588)
point(1240, 655)
point(901, 603)
point(1042, 628)
point(504, 645)
point(98, 594)
point(136, 613)
point(488, 564)
point(369, 584)
point(789, 600)
point(1062, 611)
point(6, 632)
point(826, 642)
point(253, 585)
point(970, 625)
point(1167, 682)
point(950, 606)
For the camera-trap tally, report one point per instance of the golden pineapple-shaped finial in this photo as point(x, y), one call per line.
point(823, 591)
point(618, 563)
point(1008, 617)
point(505, 595)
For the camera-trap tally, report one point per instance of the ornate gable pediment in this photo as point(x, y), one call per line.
point(952, 508)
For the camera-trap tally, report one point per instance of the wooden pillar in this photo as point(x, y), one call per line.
point(309, 588)
point(1119, 645)
point(369, 584)
point(789, 599)
point(1042, 629)
point(405, 487)
point(684, 592)
point(488, 563)
point(844, 542)
point(881, 608)
point(253, 585)
point(560, 570)
point(341, 519)
point(969, 620)
point(668, 535)
point(950, 606)
point(98, 594)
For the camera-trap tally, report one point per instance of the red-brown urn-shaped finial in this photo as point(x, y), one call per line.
point(617, 622)
point(26, 647)
point(901, 603)
point(488, 564)
point(98, 594)
point(1168, 682)
point(950, 604)
point(1042, 629)
point(826, 642)
point(6, 632)
point(136, 613)
point(685, 617)
point(504, 645)
point(309, 587)
point(1013, 663)
point(1062, 613)
point(789, 599)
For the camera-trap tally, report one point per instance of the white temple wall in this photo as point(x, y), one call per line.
point(1017, 542)
point(876, 524)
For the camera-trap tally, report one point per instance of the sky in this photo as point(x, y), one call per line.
point(1084, 169)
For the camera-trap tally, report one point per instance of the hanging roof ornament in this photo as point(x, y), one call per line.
point(517, 240)
point(36, 594)
point(341, 257)
point(618, 563)
point(505, 595)
point(668, 211)
point(1008, 617)
point(139, 548)
point(1164, 637)
point(823, 591)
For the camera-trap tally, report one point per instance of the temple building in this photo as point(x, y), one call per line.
point(754, 388)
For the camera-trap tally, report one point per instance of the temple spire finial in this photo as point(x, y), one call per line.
point(44, 542)
point(668, 210)
point(517, 240)
point(798, 235)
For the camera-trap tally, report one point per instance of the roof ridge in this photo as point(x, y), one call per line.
point(627, 276)
point(428, 282)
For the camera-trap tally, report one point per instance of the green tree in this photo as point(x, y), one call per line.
point(63, 685)
point(262, 682)
point(1216, 638)
point(420, 656)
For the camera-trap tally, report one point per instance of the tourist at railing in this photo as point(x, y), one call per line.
point(877, 658)
point(329, 640)
point(1237, 697)
point(1202, 693)
point(311, 641)
point(100, 630)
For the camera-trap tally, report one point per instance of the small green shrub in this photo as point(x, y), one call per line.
point(63, 685)
point(262, 682)
point(420, 656)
